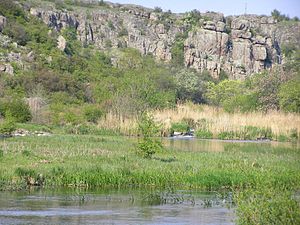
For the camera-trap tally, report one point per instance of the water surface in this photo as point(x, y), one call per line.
point(214, 145)
point(69, 206)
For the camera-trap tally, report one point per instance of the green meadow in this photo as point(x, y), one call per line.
point(264, 180)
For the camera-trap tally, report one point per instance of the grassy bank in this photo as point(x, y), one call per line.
point(260, 176)
point(212, 122)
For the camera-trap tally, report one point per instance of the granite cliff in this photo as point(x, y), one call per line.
point(239, 45)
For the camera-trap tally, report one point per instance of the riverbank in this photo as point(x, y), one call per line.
point(254, 172)
point(211, 122)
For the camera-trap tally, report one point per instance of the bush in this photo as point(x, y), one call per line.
point(147, 147)
point(294, 134)
point(224, 92)
point(92, 113)
point(16, 108)
point(289, 96)
point(226, 135)
point(179, 127)
point(190, 85)
point(148, 129)
point(205, 134)
point(8, 126)
point(282, 138)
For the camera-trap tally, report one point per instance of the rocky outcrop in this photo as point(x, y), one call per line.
point(240, 52)
point(238, 45)
point(2, 23)
point(61, 43)
point(6, 68)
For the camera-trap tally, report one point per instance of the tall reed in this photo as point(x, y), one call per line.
point(216, 120)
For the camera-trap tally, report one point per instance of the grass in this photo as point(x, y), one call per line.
point(253, 172)
point(211, 122)
point(218, 121)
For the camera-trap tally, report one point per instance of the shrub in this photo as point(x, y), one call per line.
point(147, 147)
point(205, 134)
point(294, 134)
point(226, 135)
point(16, 108)
point(148, 129)
point(179, 127)
point(72, 118)
point(289, 96)
point(157, 9)
point(189, 85)
point(282, 138)
point(92, 113)
point(123, 32)
point(8, 126)
point(224, 92)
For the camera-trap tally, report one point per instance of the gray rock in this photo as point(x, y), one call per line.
point(210, 25)
point(221, 26)
point(6, 68)
point(240, 24)
point(252, 45)
point(259, 52)
point(2, 67)
point(2, 23)
point(61, 43)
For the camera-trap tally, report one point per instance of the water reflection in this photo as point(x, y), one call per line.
point(194, 144)
point(65, 206)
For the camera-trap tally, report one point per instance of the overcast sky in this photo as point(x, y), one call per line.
point(230, 7)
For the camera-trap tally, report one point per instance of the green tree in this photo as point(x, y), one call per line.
point(8, 125)
point(190, 85)
point(17, 109)
point(289, 96)
point(226, 90)
point(148, 146)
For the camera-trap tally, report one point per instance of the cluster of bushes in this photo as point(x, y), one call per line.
point(264, 91)
point(282, 17)
point(79, 85)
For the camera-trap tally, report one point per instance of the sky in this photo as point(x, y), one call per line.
point(233, 7)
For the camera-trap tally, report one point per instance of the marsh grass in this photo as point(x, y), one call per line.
point(217, 121)
point(211, 122)
point(102, 161)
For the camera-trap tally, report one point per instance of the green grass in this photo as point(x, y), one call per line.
point(97, 161)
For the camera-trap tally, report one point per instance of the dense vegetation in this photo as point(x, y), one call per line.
point(79, 85)
point(263, 178)
point(71, 90)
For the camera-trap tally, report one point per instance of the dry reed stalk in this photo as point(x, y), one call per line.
point(217, 119)
point(122, 124)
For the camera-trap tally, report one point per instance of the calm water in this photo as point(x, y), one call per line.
point(194, 144)
point(67, 206)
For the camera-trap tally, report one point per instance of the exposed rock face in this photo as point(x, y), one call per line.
point(239, 45)
point(61, 43)
point(2, 23)
point(6, 68)
point(239, 53)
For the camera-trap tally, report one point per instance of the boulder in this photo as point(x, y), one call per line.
point(61, 43)
point(240, 24)
point(259, 52)
point(6, 68)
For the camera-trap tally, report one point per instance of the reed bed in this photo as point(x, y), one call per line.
point(216, 120)
point(219, 121)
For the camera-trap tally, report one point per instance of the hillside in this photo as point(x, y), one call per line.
point(74, 61)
